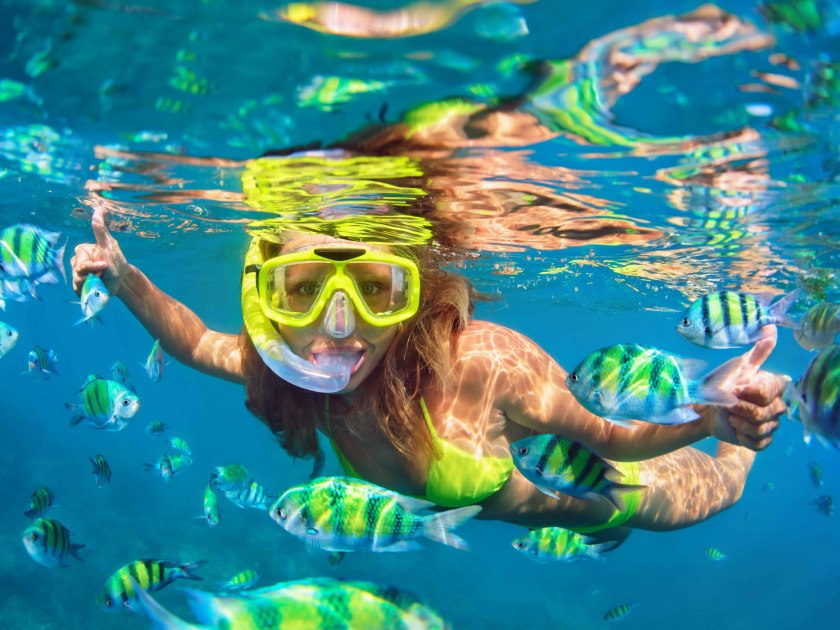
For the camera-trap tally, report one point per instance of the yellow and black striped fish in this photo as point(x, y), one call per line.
point(42, 498)
point(101, 470)
point(148, 574)
point(48, 542)
point(618, 612)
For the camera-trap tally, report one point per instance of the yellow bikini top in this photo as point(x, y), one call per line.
point(456, 478)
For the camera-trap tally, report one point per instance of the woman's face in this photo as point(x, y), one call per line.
point(367, 342)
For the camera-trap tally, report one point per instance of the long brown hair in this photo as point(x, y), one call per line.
point(421, 354)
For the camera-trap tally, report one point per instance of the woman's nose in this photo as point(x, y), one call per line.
point(339, 319)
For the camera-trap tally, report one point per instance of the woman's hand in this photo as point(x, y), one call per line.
point(103, 258)
point(752, 421)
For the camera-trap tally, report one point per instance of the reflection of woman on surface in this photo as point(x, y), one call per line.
point(426, 400)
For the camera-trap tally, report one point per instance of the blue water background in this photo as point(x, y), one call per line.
point(782, 567)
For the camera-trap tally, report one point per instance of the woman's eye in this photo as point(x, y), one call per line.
point(370, 288)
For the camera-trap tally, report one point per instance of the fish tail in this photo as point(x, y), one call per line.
point(30, 512)
point(185, 571)
point(161, 618)
point(615, 494)
point(712, 388)
point(74, 551)
point(778, 311)
point(78, 414)
point(595, 551)
point(438, 527)
point(59, 261)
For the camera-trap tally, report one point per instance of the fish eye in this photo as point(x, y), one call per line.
point(125, 402)
point(311, 531)
point(523, 450)
point(573, 377)
point(686, 323)
point(97, 293)
point(519, 545)
point(281, 513)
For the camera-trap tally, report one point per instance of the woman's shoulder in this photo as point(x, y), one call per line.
point(481, 337)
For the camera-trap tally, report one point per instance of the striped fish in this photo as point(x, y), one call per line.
point(824, 504)
point(212, 513)
point(101, 470)
point(105, 404)
point(41, 363)
point(629, 381)
point(94, 297)
point(346, 514)
point(180, 445)
point(119, 374)
point(715, 554)
point(155, 362)
point(555, 464)
point(254, 496)
point(48, 542)
point(241, 581)
point(818, 327)
point(619, 612)
point(230, 478)
point(156, 428)
point(120, 590)
point(552, 544)
point(28, 253)
point(816, 397)
point(729, 319)
point(815, 471)
point(8, 338)
point(42, 498)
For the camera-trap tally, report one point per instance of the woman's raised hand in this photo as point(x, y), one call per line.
point(103, 258)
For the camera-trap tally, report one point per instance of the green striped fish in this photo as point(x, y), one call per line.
point(618, 612)
point(155, 428)
point(346, 514)
point(120, 590)
point(212, 513)
point(729, 319)
point(629, 381)
point(42, 498)
point(8, 338)
point(254, 496)
point(230, 478)
point(29, 253)
point(48, 542)
point(551, 544)
point(712, 553)
point(555, 464)
point(313, 603)
point(241, 581)
point(818, 327)
point(101, 470)
point(41, 362)
point(816, 396)
point(180, 445)
point(105, 404)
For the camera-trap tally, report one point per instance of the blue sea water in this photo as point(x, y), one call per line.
point(153, 108)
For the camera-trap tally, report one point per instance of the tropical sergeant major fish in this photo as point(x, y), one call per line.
point(119, 373)
point(816, 473)
point(29, 255)
point(105, 404)
point(617, 613)
point(156, 428)
point(8, 338)
point(715, 554)
point(42, 498)
point(346, 514)
point(48, 542)
point(230, 478)
point(312, 603)
point(633, 382)
point(553, 544)
point(155, 362)
point(41, 363)
point(555, 464)
point(818, 327)
point(101, 470)
point(254, 496)
point(169, 465)
point(729, 319)
point(241, 581)
point(94, 297)
point(212, 513)
point(120, 590)
point(180, 445)
point(816, 398)
point(824, 504)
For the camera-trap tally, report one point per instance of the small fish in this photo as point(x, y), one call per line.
point(714, 554)
point(633, 382)
point(230, 478)
point(816, 398)
point(179, 461)
point(48, 542)
point(552, 544)
point(105, 404)
point(212, 513)
point(824, 504)
point(818, 328)
point(617, 613)
point(119, 374)
point(555, 464)
point(120, 590)
point(101, 470)
point(41, 363)
point(155, 363)
point(254, 496)
point(42, 498)
point(767, 487)
point(156, 428)
point(729, 319)
point(8, 338)
point(28, 253)
point(94, 297)
point(347, 514)
point(180, 445)
point(169, 465)
point(241, 581)
point(816, 473)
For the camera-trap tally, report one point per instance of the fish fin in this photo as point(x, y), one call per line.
point(59, 261)
point(335, 558)
point(632, 425)
point(74, 551)
point(680, 415)
point(594, 551)
point(778, 311)
point(615, 494)
point(185, 571)
point(438, 527)
point(413, 504)
point(713, 388)
point(412, 545)
point(161, 618)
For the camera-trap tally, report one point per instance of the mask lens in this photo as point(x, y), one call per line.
point(295, 287)
point(383, 287)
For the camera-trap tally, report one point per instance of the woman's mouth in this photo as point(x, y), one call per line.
point(328, 357)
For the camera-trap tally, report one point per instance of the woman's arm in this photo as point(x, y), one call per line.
point(181, 332)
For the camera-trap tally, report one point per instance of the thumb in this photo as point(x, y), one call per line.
point(763, 348)
point(100, 230)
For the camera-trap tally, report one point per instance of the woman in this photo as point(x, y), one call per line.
point(422, 399)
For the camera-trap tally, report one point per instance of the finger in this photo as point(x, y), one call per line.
point(100, 230)
point(753, 444)
point(753, 430)
point(763, 347)
point(763, 388)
